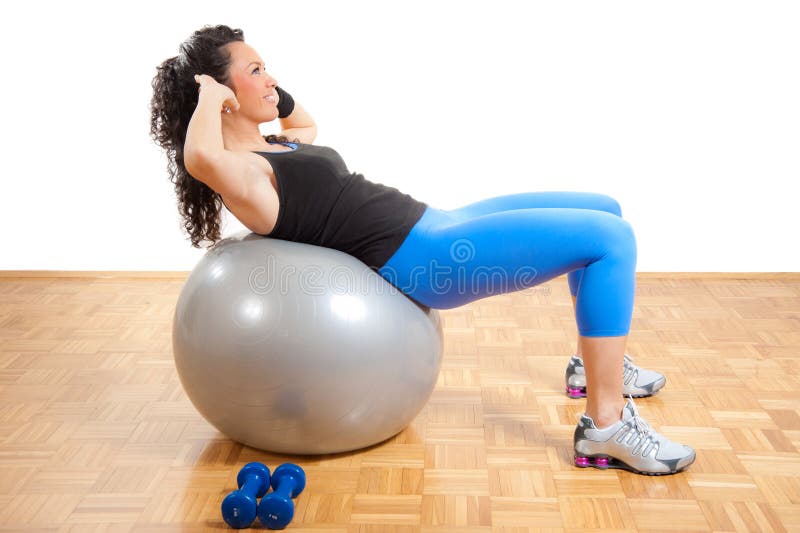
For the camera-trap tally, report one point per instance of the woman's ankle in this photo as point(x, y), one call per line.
point(605, 416)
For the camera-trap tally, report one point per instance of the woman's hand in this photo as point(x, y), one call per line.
point(209, 85)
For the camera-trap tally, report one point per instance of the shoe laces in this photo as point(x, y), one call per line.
point(629, 371)
point(644, 435)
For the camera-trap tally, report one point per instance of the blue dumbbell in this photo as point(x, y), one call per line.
point(239, 508)
point(277, 508)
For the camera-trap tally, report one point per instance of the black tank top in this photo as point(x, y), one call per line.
point(323, 203)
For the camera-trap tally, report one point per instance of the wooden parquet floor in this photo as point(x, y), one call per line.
point(96, 433)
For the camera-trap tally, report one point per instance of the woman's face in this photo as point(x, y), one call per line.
point(252, 85)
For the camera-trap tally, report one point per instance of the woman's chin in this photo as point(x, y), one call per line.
point(269, 116)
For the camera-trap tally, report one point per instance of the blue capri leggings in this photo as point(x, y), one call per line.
point(513, 242)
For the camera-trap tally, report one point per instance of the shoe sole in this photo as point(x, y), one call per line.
point(580, 392)
point(604, 462)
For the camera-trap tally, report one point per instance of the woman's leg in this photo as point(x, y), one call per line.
point(525, 200)
point(637, 382)
point(449, 260)
point(602, 358)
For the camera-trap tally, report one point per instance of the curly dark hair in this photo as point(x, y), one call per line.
point(174, 100)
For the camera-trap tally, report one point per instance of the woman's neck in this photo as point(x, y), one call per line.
point(236, 139)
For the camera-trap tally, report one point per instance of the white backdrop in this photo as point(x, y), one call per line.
point(687, 112)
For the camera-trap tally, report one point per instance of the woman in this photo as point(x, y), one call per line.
point(207, 105)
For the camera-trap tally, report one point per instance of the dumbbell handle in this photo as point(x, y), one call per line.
point(285, 487)
point(250, 486)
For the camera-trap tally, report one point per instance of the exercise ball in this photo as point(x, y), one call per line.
point(301, 349)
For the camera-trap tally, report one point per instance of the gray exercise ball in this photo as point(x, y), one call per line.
point(301, 349)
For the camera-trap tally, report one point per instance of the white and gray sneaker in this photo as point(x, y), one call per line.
point(636, 382)
point(630, 444)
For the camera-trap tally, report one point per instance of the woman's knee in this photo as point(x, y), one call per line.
point(609, 204)
point(615, 233)
point(621, 238)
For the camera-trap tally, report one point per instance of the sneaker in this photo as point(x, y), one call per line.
point(630, 444)
point(636, 382)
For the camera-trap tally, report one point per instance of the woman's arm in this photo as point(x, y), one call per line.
point(204, 154)
point(299, 124)
point(204, 132)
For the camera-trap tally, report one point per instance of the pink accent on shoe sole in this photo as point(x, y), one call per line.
point(576, 392)
point(599, 462)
